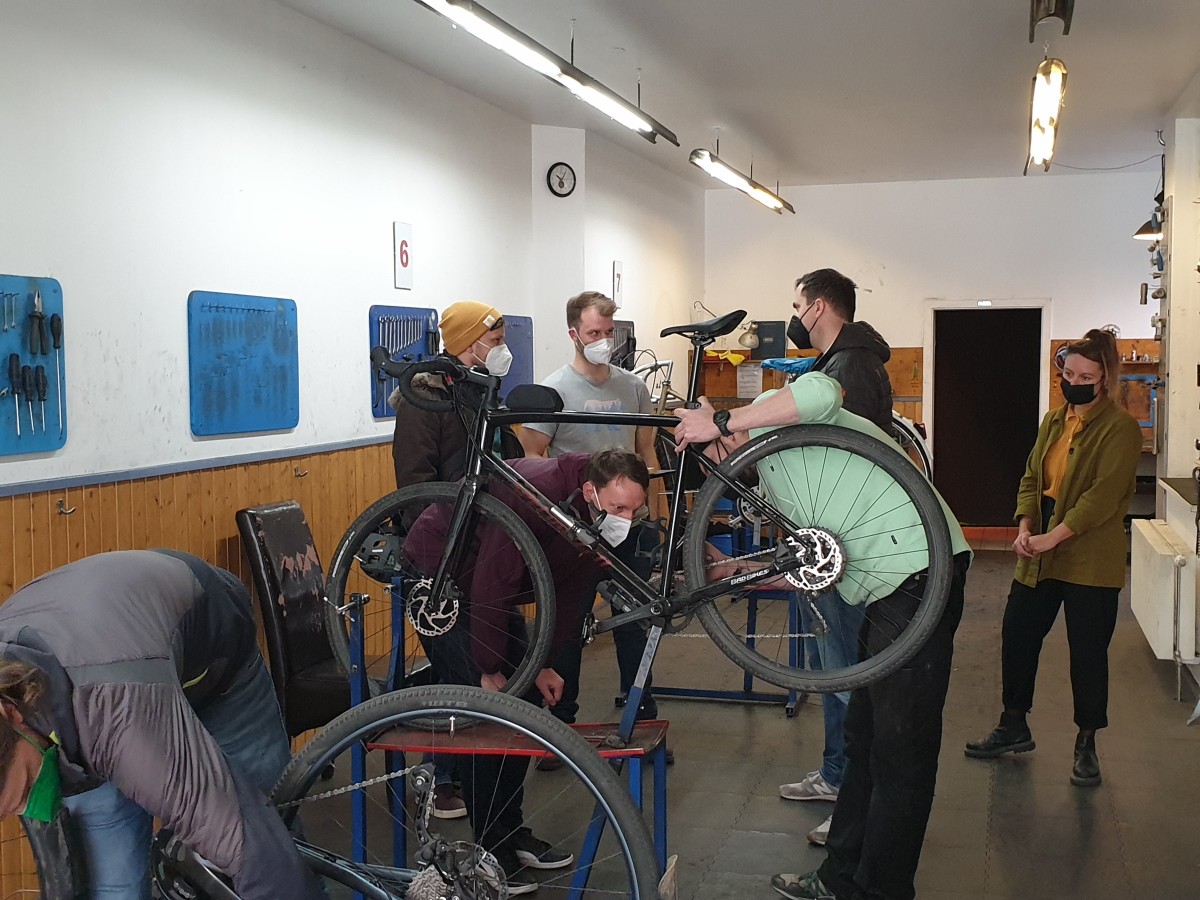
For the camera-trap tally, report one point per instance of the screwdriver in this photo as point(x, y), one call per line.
point(15, 381)
point(14, 378)
point(30, 389)
point(39, 341)
point(42, 384)
point(56, 333)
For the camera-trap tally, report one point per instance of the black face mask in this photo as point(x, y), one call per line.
point(1078, 394)
point(798, 334)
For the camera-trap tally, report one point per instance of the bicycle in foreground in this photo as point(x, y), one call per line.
point(359, 832)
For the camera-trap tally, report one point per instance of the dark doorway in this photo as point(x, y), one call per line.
point(986, 377)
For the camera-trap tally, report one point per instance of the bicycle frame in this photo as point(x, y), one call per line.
point(647, 604)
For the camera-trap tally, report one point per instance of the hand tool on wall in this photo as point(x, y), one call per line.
point(14, 379)
point(42, 384)
point(5, 298)
point(30, 388)
point(39, 340)
point(56, 334)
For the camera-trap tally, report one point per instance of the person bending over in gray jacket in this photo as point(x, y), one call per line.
point(132, 687)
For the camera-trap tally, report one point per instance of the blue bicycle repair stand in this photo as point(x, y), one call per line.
point(744, 540)
point(360, 691)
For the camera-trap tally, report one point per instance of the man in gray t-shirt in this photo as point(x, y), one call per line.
point(620, 392)
point(589, 383)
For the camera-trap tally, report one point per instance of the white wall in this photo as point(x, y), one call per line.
point(653, 222)
point(1065, 238)
point(623, 208)
point(160, 146)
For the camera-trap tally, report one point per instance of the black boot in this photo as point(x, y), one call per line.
point(1086, 772)
point(1010, 736)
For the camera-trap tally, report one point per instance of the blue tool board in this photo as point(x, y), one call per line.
point(17, 293)
point(409, 334)
point(518, 334)
point(243, 363)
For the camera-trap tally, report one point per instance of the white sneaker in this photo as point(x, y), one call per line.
point(819, 835)
point(813, 787)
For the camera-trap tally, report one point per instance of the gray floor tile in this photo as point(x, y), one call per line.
point(1008, 829)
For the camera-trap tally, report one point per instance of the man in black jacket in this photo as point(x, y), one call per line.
point(852, 353)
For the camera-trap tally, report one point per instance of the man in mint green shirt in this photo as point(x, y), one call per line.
point(894, 726)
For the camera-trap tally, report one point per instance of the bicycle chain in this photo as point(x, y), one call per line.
point(350, 787)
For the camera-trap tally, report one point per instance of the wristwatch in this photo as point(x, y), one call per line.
point(721, 420)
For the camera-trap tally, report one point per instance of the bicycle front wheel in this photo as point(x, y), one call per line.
point(392, 550)
point(836, 510)
point(354, 817)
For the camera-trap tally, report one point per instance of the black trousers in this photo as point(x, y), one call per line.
point(1091, 614)
point(893, 736)
point(493, 787)
point(636, 551)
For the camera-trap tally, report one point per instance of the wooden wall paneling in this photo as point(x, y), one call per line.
point(139, 526)
point(110, 517)
point(76, 523)
point(22, 542)
point(89, 514)
point(8, 556)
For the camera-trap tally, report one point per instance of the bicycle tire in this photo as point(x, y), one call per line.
point(913, 444)
point(893, 473)
point(635, 851)
point(383, 524)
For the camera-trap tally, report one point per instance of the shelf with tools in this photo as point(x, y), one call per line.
point(33, 408)
point(409, 334)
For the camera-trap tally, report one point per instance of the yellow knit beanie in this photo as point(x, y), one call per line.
point(465, 322)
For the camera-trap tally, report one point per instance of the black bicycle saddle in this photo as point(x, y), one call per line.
point(712, 328)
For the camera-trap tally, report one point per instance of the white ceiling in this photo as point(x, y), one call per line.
point(824, 91)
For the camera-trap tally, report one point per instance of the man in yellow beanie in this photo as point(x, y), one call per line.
point(431, 446)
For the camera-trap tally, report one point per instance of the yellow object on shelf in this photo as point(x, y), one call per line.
point(730, 356)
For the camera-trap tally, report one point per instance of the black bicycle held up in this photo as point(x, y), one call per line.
point(767, 507)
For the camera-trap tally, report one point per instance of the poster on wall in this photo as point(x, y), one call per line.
point(402, 239)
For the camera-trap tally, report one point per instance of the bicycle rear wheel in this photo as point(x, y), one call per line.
point(395, 544)
point(837, 509)
point(913, 443)
point(558, 806)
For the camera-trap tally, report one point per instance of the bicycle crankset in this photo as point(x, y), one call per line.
point(428, 616)
point(821, 556)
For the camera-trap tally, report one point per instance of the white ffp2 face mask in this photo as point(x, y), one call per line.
point(499, 360)
point(614, 529)
point(599, 352)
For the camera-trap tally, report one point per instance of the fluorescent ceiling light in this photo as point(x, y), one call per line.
point(494, 31)
point(721, 171)
point(1045, 108)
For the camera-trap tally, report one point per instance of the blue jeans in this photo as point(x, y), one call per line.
point(245, 722)
point(835, 649)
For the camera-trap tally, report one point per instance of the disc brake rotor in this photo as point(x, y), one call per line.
point(428, 616)
point(822, 559)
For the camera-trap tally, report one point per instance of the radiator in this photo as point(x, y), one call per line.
point(1163, 595)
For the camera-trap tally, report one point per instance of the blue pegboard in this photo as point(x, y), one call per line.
point(518, 334)
point(409, 334)
point(17, 293)
point(243, 363)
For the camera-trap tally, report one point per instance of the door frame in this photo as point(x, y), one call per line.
point(933, 304)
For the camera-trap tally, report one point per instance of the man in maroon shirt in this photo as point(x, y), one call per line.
point(613, 482)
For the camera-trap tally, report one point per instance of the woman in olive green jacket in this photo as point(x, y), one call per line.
point(1071, 550)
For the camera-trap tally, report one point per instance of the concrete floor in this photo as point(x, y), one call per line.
point(1000, 830)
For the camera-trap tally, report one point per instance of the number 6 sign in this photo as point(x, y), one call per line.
point(402, 248)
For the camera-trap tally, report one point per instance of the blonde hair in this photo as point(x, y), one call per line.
point(577, 304)
point(1100, 346)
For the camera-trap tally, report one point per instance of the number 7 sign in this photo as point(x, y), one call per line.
point(402, 235)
